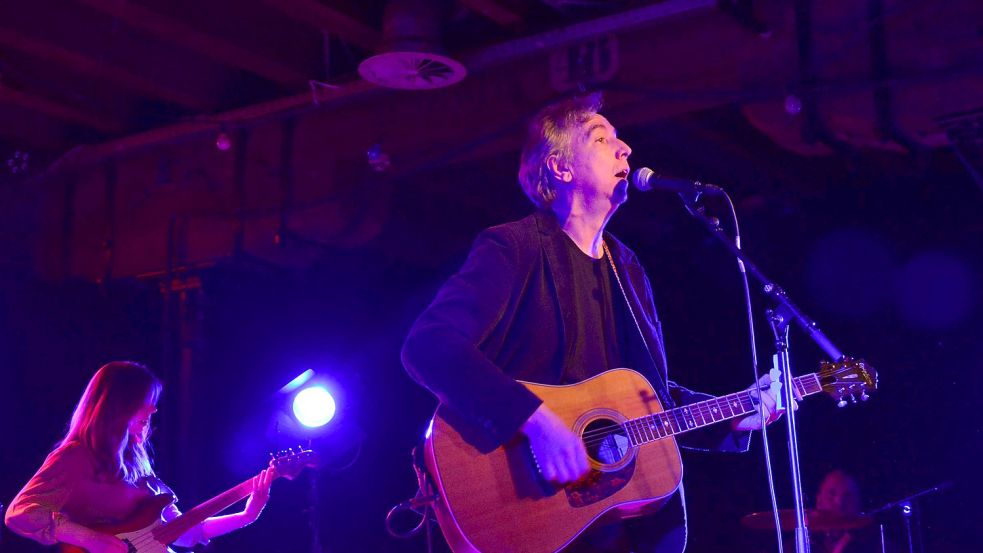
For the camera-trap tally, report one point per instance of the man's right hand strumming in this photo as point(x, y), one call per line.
point(559, 453)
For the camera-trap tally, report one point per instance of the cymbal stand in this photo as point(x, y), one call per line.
point(907, 507)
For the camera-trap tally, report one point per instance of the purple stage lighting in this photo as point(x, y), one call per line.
point(314, 407)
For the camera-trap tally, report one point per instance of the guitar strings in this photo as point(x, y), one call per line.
point(598, 436)
point(703, 409)
point(683, 420)
point(667, 417)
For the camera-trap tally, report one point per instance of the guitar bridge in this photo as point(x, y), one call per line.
point(598, 485)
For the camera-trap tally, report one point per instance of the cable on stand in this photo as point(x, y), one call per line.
point(421, 504)
point(779, 317)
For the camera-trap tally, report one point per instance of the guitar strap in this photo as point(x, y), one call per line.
point(661, 386)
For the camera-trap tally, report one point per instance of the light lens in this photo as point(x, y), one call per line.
point(314, 406)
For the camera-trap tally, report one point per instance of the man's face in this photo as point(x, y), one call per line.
point(599, 161)
point(838, 493)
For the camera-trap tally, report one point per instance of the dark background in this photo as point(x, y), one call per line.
point(883, 251)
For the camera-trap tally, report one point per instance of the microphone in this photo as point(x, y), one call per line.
point(645, 179)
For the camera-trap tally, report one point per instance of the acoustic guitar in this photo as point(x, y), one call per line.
point(493, 499)
point(146, 532)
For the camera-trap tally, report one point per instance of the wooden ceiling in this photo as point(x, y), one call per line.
point(90, 72)
point(84, 71)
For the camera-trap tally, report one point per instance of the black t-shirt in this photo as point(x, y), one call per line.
point(603, 323)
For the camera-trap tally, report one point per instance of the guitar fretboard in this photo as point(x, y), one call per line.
point(171, 531)
point(697, 415)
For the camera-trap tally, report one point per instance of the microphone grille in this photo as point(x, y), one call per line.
point(640, 178)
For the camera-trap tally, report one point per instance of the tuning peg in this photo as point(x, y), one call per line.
point(864, 396)
point(841, 404)
point(853, 399)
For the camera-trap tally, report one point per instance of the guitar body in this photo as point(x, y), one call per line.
point(493, 499)
point(137, 532)
point(146, 532)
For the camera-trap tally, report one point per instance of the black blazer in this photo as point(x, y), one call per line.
point(504, 316)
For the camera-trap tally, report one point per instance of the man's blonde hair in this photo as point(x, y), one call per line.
point(550, 132)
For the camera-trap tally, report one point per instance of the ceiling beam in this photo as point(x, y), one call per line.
point(493, 70)
point(184, 35)
point(32, 131)
point(495, 11)
point(329, 19)
point(56, 110)
point(298, 103)
point(98, 69)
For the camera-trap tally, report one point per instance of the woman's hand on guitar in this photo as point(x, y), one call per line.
point(260, 494)
point(557, 451)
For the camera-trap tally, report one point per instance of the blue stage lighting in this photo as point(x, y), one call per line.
point(297, 382)
point(314, 406)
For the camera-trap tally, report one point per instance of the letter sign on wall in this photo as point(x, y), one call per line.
point(590, 62)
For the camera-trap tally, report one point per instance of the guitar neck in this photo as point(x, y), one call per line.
point(171, 531)
point(697, 415)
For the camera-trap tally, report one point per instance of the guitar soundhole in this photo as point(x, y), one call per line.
point(606, 441)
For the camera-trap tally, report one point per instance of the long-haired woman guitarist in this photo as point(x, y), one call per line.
point(100, 474)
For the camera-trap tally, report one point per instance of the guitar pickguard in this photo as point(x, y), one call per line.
point(599, 485)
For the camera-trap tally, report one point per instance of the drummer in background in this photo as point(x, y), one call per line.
point(839, 493)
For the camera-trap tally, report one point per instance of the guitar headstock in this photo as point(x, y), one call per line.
point(290, 463)
point(847, 378)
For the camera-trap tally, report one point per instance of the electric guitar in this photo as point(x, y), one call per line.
point(493, 498)
point(146, 532)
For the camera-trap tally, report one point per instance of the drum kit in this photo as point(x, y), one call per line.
point(829, 521)
point(816, 520)
point(825, 526)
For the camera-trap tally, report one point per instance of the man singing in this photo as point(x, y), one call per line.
point(554, 299)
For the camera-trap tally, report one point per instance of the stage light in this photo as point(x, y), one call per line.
point(314, 407)
point(378, 159)
point(297, 382)
point(793, 104)
point(223, 141)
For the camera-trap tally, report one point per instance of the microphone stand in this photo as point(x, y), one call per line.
point(779, 318)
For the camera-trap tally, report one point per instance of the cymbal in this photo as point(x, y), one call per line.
point(816, 520)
